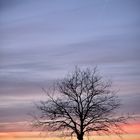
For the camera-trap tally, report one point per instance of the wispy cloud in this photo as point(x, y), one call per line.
point(42, 41)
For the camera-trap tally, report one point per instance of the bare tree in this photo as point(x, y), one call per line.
point(82, 102)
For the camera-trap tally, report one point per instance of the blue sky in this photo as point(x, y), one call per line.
point(41, 41)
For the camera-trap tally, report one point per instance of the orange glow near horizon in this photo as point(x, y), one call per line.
point(35, 136)
point(133, 133)
point(132, 128)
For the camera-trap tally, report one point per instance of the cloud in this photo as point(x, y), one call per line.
point(42, 41)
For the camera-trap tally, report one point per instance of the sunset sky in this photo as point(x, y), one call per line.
point(43, 40)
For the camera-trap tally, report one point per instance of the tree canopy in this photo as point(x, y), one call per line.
point(80, 103)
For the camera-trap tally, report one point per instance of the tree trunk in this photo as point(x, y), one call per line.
point(80, 137)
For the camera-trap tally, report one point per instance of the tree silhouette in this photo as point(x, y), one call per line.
point(81, 103)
